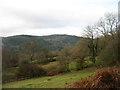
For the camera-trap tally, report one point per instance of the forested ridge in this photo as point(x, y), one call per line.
point(53, 42)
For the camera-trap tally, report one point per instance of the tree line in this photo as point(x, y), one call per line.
point(101, 43)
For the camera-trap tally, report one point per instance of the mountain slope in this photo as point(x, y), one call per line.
point(53, 42)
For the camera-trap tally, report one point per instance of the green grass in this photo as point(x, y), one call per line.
point(50, 64)
point(43, 82)
point(72, 66)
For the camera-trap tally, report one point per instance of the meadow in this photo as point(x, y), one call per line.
point(56, 81)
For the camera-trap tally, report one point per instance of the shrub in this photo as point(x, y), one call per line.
point(104, 78)
point(79, 64)
point(53, 68)
point(88, 63)
point(109, 54)
point(23, 62)
point(9, 75)
point(30, 70)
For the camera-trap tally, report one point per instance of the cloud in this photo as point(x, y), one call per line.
point(51, 16)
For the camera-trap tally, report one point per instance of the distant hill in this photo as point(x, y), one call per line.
point(53, 42)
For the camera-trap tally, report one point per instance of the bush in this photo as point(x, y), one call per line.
point(53, 68)
point(30, 70)
point(104, 78)
point(88, 63)
point(109, 54)
point(23, 62)
point(72, 66)
point(9, 75)
point(79, 64)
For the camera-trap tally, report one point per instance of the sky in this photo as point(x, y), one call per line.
point(46, 17)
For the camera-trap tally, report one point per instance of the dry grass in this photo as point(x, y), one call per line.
point(104, 78)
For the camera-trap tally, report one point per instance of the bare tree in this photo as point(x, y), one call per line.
point(79, 52)
point(108, 24)
point(9, 58)
point(29, 49)
point(102, 27)
point(92, 34)
point(65, 57)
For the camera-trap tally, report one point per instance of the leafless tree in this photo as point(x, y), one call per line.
point(29, 49)
point(65, 57)
point(108, 24)
point(92, 34)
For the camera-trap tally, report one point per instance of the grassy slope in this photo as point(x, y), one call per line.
point(43, 82)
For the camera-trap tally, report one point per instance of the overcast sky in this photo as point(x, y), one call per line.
point(46, 17)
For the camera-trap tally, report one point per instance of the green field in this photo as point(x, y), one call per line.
point(48, 81)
